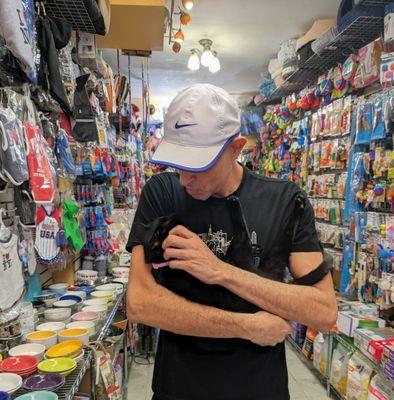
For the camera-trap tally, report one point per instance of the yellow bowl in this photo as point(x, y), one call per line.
point(62, 365)
point(40, 335)
point(73, 332)
point(65, 349)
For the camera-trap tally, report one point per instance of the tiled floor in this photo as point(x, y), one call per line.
point(303, 384)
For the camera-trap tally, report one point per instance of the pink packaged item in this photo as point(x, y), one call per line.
point(369, 64)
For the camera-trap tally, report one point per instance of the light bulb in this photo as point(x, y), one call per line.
point(194, 62)
point(188, 4)
point(206, 57)
point(179, 37)
point(214, 65)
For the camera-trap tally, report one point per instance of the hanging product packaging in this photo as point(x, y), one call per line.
point(369, 67)
point(364, 123)
point(378, 390)
point(379, 125)
point(387, 69)
point(359, 376)
point(347, 267)
point(41, 178)
point(320, 352)
point(12, 282)
point(17, 27)
point(339, 369)
point(12, 153)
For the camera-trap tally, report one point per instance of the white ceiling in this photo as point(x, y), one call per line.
point(246, 34)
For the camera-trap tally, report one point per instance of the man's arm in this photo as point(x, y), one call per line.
point(152, 304)
point(314, 306)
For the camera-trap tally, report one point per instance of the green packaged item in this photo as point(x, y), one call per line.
point(70, 222)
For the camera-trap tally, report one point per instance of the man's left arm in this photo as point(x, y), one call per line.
point(314, 306)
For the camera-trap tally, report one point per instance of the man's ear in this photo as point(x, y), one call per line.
point(237, 145)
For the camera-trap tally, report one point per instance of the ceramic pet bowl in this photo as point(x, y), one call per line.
point(75, 334)
point(116, 288)
point(38, 395)
point(52, 326)
point(101, 310)
point(10, 382)
point(47, 338)
point(63, 366)
point(57, 314)
point(69, 348)
point(21, 365)
point(50, 382)
point(36, 350)
point(59, 288)
point(89, 325)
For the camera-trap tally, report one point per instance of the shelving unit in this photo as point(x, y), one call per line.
point(73, 11)
point(359, 33)
point(74, 380)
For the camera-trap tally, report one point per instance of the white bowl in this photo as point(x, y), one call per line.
point(59, 288)
point(101, 310)
point(36, 350)
point(95, 302)
point(64, 303)
point(57, 314)
point(123, 281)
point(102, 294)
point(120, 272)
point(84, 337)
point(51, 326)
point(10, 383)
point(47, 341)
point(117, 288)
point(79, 293)
point(89, 325)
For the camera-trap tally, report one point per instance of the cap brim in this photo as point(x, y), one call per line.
point(187, 158)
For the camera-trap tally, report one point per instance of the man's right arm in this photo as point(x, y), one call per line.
point(152, 304)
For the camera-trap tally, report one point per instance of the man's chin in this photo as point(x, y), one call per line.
point(197, 195)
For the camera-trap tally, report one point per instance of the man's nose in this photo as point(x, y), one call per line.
point(185, 177)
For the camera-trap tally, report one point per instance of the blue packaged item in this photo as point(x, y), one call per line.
point(379, 125)
point(63, 152)
point(360, 219)
point(347, 266)
point(364, 123)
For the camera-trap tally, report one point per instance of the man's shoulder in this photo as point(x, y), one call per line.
point(272, 184)
point(164, 181)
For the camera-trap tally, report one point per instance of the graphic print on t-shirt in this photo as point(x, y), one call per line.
point(6, 261)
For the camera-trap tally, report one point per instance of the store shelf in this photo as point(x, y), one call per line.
point(73, 11)
point(73, 380)
point(359, 33)
point(375, 3)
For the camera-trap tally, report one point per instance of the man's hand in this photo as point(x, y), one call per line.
point(265, 329)
point(189, 253)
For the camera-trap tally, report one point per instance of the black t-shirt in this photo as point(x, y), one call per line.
point(191, 368)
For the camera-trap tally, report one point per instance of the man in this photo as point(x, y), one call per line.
point(205, 352)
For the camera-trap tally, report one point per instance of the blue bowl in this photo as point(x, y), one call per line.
point(39, 395)
point(87, 290)
point(78, 299)
point(4, 396)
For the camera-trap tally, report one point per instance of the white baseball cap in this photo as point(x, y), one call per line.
point(200, 122)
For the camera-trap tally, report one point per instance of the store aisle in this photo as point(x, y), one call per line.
point(302, 382)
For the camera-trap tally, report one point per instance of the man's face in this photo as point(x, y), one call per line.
point(210, 183)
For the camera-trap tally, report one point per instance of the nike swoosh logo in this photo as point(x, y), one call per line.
point(177, 126)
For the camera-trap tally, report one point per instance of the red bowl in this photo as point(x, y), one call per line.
point(19, 364)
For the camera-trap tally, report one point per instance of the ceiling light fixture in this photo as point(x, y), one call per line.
point(207, 55)
point(188, 4)
point(214, 65)
point(194, 61)
point(179, 37)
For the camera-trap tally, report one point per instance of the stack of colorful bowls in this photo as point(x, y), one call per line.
point(20, 365)
point(51, 382)
point(63, 366)
point(39, 395)
point(10, 383)
point(68, 349)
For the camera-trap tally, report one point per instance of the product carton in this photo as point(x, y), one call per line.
point(349, 321)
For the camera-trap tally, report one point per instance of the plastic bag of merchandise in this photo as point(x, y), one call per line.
point(339, 369)
point(320, 349)
point(13, 154)
point(17, 28)
point(359, 376)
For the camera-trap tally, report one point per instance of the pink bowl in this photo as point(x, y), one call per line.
point(85, 316)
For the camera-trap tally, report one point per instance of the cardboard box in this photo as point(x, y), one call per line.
point(348, 322)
